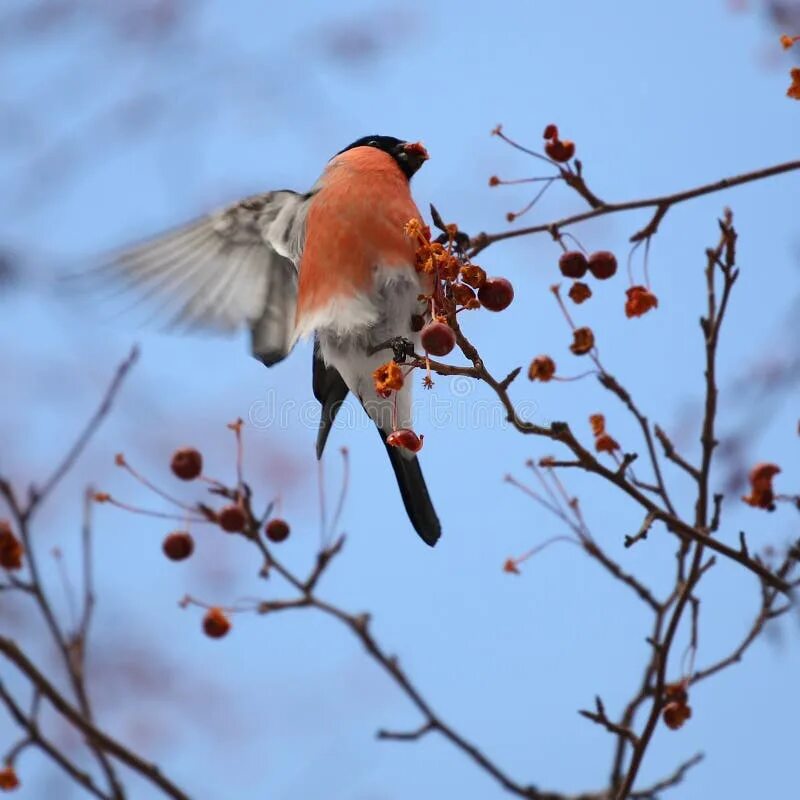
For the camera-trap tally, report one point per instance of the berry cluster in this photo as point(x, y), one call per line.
point(454, 284)
point(234, 517)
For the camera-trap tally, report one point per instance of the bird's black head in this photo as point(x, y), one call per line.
point(409, 156)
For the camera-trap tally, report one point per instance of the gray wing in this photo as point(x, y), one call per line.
point(232, 268)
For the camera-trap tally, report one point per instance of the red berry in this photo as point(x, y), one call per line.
point(405, 438)
point(560, 151)
point(438, 338)
point(573, 264)
point(277, 530)
point(602, 264)
point(232, 519)
point(187, 463)
point(216, 623)
point(178, 545)
point(496, 294)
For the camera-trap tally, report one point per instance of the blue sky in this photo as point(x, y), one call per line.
point(658, 97)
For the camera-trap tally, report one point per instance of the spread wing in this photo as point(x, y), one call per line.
point(234, 267)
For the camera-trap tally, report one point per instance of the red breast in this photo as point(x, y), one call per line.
point(355, 223)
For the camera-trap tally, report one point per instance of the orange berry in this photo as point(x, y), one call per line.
point(232, 518)
point(602, 264)
point(473, 276)
point(178, 545)
point(277, 530)
point(437, 338)
point(187, 463)
point(387, 378)
point(216, 623)
point(496, 294)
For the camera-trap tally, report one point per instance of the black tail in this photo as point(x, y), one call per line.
point(331, 391)
point(415, 494)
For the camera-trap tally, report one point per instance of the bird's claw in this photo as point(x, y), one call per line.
point(402, 349)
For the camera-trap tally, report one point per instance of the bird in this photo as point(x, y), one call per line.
point(333, 263)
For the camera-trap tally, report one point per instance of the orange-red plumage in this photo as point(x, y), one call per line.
point(355, 223)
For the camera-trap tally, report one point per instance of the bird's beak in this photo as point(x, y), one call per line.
point(416, 150)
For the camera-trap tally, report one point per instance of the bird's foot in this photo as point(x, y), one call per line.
point(401, 347)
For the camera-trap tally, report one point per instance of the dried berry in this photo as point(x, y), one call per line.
point(417, 322)
point(387, 378)
point(216, 623)
point(405, 438)
point(605, 444)
point(560, 151)
point(232, 518)
point(187, 463)
point(277, 530)
point(579, 292)
point(473, 276)
point(550, 131)
point(573, 264)
point(602, 264)
point(511, 567)
point(178, 545)
point(463, 294)
point(582, 341)
point(11, 549)
point(794, 88)
point(8, 779)
point(639, 301)
point(437, 338)
point(496, 294)
point(762, 495)
point(598, 423)
point(542, 368)
point(675, 714)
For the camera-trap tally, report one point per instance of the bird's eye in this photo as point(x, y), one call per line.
point(372, 143)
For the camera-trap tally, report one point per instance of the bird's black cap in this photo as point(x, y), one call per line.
point(409, 156)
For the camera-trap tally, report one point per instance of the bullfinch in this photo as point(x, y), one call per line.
point(333, 263)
